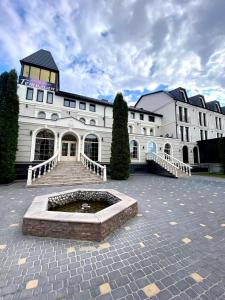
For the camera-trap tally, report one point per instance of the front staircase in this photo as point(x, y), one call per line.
point(168, 165)
point(54, 173)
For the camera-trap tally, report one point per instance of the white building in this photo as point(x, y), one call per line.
point(52, 121)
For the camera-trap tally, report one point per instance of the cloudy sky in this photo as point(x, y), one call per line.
point(136, 46)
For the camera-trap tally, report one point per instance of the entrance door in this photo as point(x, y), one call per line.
point(69, 150)
point(185, 154)
point(151, 147)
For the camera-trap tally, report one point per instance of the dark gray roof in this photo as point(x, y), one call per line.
point(214, 106)
point(197, 100)
point(223, 109)
point(41, 58)
point(144, 111)
point(178, 95)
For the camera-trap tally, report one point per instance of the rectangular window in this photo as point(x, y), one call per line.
point(151, 118)
point(185, 115)
point(187, 133)
point(92, 107)
point(26, 71)
point(29, 95)
point(49, 97)
point(180, 114)
point(132, 115)
point(141, 117)
point(206, 135)
point(204, 119)
point(45, 75)
point(220, 124)
point(40, 95)
point(216, 123)
point(200, 118)
point(34, 73)
point(69, 103)
point(182, 133)
point(82, 105)
point(52, 77)
point(201, 134)
point(218, 135)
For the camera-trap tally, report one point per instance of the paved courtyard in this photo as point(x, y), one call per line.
point(173, 249)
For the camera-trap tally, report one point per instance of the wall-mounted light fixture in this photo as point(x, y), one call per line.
point(82, 137)
point(26, 105)
point(31, 132)
point(160, 148)
point(102, 139)
point(143, 147)
point(58, 134)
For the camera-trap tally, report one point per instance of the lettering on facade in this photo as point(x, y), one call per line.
point(37, 83)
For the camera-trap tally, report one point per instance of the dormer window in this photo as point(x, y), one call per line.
point(184, 96)
point(203, 103)
point(217, 107)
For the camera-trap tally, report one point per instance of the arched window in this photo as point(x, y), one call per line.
point(195, 154)
point(54, 117)
point(42, 115)
point(144, 130)
point(92, 122)
point(44, 145)
point(130, 129)
point(91, 146)
point(151, 131)
point(134, 149)
point(167, 149)
point(83, 120)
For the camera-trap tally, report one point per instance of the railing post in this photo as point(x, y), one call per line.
point(104, 173)
point(29, 176)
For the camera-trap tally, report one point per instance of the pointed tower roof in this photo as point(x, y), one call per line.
point(41, 58)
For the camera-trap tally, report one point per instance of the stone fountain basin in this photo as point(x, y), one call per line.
point(39, 221)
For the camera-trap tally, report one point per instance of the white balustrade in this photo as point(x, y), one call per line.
point(181, 165)
point(41, 169)
point(93, 166)
point(173, 169)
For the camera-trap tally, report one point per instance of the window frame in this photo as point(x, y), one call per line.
point(82, 103)
point(141, 116)
point(153, 118)
point(93, 106)
point(30, 89)
point(132, 115)
point(47, 100)
point(40, 91)
point(43, 112)
point(70, 101)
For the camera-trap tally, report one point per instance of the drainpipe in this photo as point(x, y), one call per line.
point(176, 117)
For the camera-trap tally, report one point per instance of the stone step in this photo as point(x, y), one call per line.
point(63, 183)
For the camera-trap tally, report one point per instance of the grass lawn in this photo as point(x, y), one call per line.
point(220, 175)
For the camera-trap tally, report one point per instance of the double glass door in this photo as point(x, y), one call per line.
point(69, 150)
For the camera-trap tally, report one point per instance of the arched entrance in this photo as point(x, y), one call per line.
point(185, 154)
point(195, 154)
point(69, 147)
point(167, 149)
point(151, 147)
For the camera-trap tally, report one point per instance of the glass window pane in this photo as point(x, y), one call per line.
point(29, 94)
point(40, 95)
point(82, 105)
point(26, 70)
point(49, 97)
point(45, 75)
point(92, 107)
point(52, 78)
point(34, 73)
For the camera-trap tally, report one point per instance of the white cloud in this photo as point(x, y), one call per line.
point(105, 46)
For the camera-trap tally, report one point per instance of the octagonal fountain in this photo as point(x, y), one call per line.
point(84, 214)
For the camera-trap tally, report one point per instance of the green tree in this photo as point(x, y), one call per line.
point(120, 150)
point(9, 110)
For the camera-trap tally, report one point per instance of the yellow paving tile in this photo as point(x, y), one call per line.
point(139, 215)
point(173, 223)
point(32, 284)
point(22, 261)
point(104, 246)
point(203, 225)
point(151, 290)
point(186, 240)
point(105, 288)
point(169, 210)
point(70, 250)
point(196, 277)
point(211, 212)
point(142, 244)
point(209, 237)
point(2, 247)
point(222, 225)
